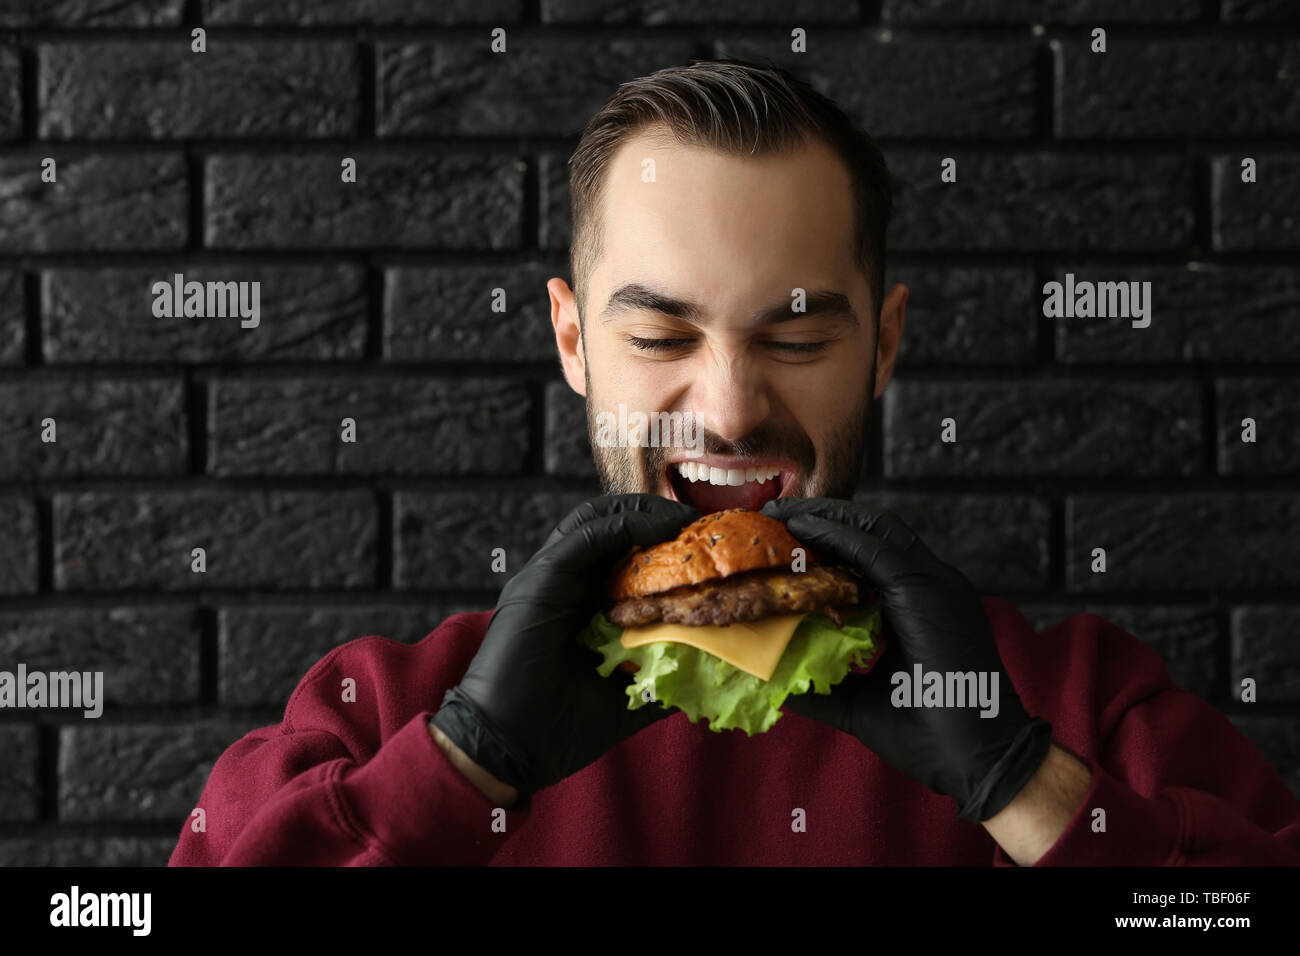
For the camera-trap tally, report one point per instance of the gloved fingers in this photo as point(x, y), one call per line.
point(844, 544)
point(903, 552)
point(783, 509)
point(604, 539)
point(615, 504)
point(885, 559)
point(878, 521)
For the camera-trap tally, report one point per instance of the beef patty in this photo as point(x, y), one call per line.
point(743, 597)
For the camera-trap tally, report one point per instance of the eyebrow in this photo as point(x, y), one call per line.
point(633, 296)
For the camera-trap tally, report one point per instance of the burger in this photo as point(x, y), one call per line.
point(729, 619)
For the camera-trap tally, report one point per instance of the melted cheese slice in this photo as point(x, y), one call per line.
point(753, 646)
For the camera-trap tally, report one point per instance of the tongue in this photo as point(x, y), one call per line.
point(707, 497)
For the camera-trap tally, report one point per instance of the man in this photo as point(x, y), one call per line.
point(728, 262)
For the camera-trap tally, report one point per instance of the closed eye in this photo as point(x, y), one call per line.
point(657, 345)
point(803, 348)
point(667, 345)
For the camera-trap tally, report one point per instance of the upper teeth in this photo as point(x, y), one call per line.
point(697, 471)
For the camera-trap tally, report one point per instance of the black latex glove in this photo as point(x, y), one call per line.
point(531, 709)
point(932, 615)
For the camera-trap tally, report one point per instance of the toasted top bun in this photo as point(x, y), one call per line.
point(714, 547)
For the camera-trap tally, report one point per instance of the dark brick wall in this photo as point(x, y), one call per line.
point(173, 433)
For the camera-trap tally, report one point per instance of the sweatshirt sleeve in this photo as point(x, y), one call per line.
point(330, 787)
point(1179, 784)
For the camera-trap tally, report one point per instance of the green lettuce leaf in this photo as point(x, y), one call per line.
point(818, 656)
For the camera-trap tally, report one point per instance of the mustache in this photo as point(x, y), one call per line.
point(768, 440)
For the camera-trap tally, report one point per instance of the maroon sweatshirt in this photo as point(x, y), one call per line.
point(364, 783)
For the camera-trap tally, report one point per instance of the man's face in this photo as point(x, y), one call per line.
point(692, 308)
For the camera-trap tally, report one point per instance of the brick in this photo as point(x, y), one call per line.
point(1041, 202)
point(445, 313)
point(947, 12)
point(253, 539)
point(1274, 403)
point(1278, 740)
point(915, 86)
point(999, 542)
point(19, 786)
point(110, 202)
point(11, 101)
point(1183, 541)
point(1259, 10)
point(1256, 216)
point(1220, 86)
point(18, 546)
point(86, 851)
point(26, 14)
point(404, 425)
point(660, 12)
point(1264, 647)
point(1186, 638)
point(138, 772)
point(1039, 427)
point(402, 198)
point(266, 651)
point(543, 87)
point(13, 318)
point(312, 313)
point(148, 655)
point(134, 90)
point(102, 427)
point(1200, 313)
point(361, 12)
point(555, 222)
point(567, 448)
point(967, 316)
point(446, 539)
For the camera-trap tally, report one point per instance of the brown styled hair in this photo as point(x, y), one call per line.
point(742, 108)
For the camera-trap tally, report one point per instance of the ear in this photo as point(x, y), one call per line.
point(568, 334)
point(892, 318)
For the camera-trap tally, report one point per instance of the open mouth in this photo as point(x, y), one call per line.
point(708, 488)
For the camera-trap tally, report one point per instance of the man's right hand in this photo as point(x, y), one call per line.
point(531, 709)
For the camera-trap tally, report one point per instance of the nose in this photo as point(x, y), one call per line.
point(729, 397)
